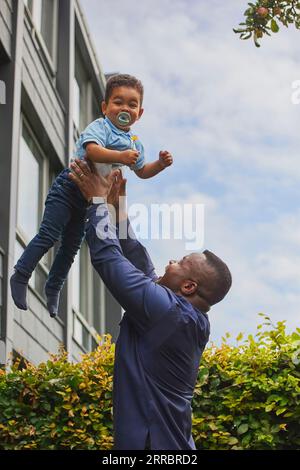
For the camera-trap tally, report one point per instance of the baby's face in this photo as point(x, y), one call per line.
point(123, 99)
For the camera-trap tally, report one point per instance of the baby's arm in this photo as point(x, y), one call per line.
point(151, 169)
point(98, 154)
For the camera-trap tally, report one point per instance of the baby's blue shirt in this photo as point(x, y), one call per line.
point(103, 132)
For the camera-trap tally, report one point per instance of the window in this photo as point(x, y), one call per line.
point(96, 109)
point(88, 301)
point(28, 3)
point(80, 326)
point(44, 16)
point(18, 251)
point(33, 167)
point(81, 334)
point(76, 283)
point(48, 22)
point(82, 284)
point(86, 107)
point(99, 305)
point(29, 186)
point(50, 177)
point(81, 93)
point(76, 109)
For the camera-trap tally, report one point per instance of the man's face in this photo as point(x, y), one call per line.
point(189, 268)
point(123, 99)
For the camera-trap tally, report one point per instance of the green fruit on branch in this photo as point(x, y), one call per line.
point(266, 17)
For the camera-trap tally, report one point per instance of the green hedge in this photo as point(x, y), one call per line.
point(58, 404)
point(247, 397)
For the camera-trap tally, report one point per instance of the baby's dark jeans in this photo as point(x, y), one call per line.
point(64, 219)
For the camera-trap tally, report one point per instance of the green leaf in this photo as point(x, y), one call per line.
point(203, 376)
point(245, 36)
point(239, 337)
point(232, 441)
point(238, 30)
point(270, 407)
point(242, 429)
point(274, 26)
point(279, 411)
point(274, 397)
point(295, 338)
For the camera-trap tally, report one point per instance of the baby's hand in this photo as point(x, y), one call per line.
point(129, 157)
point(165, 158)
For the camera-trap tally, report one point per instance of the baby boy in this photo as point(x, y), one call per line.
point(109, 143)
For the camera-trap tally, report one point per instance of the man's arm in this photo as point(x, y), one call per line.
point(134, 251)
point(143, 299)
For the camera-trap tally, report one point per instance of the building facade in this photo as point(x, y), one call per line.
point(51, 86)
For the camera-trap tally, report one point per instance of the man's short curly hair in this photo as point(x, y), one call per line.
point(219, 282)
point(118, 80)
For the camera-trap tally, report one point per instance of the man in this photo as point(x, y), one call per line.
point(164, 329)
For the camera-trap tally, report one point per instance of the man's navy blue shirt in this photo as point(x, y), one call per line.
point(162, 337)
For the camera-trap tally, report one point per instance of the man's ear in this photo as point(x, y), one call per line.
point(103, 107)
point(188, 287)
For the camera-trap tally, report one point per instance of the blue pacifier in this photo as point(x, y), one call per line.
point(124, 118)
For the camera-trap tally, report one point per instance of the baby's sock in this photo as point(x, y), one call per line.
point(52, 301)
point(18, 286)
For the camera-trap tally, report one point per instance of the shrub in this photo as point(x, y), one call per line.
point(247, 397)
point(58, 404)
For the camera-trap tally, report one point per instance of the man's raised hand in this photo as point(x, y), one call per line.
point(90, 183)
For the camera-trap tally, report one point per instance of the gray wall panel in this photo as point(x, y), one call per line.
point(5, 38)
point(76, 352)
point(43, 95)
point(6, 25)
point(44, 334)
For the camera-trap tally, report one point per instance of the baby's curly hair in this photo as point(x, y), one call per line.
point(123, 80)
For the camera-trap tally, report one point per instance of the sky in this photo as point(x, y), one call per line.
point(223, 108)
